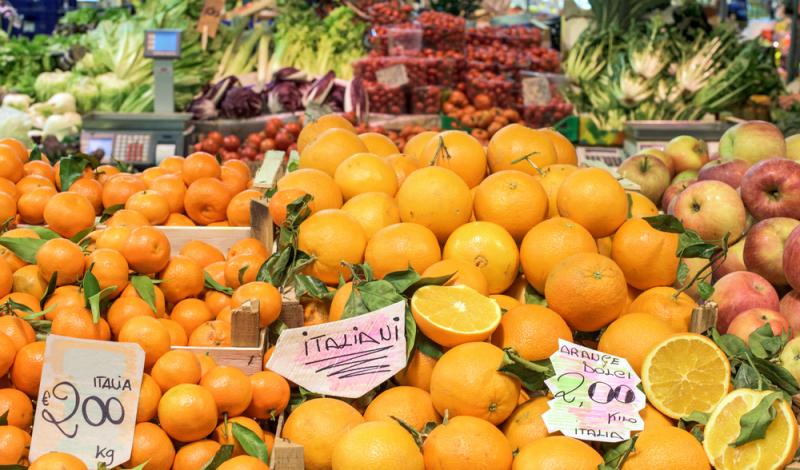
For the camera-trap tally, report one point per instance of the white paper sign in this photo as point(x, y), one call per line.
point(88, 399)
point(393, 77)
point(536, 91)
point(345, 358)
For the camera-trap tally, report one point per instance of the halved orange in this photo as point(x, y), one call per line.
point(685, 373)
point(452, 315)
point(775, 450)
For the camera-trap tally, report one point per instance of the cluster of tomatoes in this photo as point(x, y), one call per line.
point(276, 135)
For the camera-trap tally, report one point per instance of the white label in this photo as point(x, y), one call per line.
point(265, 176)
point(536, 91)
point(392, 77)
point(88, 399)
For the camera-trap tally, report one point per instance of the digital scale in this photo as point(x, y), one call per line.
point(147, 138)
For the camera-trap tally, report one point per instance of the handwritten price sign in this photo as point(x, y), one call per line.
point(87, 400)
point(595, 395)
point(393, 76)
point(346, 358)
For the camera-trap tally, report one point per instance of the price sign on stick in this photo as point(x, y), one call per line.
point(88, 398)
point(393, 77)
point(345, 358)
point(595, 395)
point(210, 16)
point(536, 91)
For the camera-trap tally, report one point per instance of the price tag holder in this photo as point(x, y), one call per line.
point(88, 399)
point(393, 77)
point(345, 358)
point(595, 395)
point(210, 17)
point(536, 91)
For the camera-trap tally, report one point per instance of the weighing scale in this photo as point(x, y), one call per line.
point(147, 138)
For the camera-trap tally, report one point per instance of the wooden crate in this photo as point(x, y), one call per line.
point(285, 455)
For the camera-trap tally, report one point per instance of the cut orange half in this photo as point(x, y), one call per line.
point(774, 450)
point(685, 373)
point(453, 315)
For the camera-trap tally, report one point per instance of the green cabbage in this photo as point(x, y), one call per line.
point(15, 123)
point(49, 83)
point(86, 93)
point(113, 91)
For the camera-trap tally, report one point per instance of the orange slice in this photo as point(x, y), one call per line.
point(452, 315)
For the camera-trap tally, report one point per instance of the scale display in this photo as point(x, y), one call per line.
point(129, 148)
point(162, 43)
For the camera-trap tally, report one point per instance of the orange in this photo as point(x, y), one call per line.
point(67, 214)
point(594, 199)
point(588, 290)
point(516, 147)
point(463, 273)
point(339, 301)
point(14, 444)
point(61, 256)
point(217, 271)
point(604, 246)
point(653, 418)
point(224, 432)
point(233, 181)
point(19, 148)
point(76, 323)
point(667, 447)
point(149, 174)
point(645, 255)
point(26, 373)
point(63, 297)
point(270, 395)
point(199, 165)
point(666, 303)
point(27, 280)
point(127, 218)
point(379, 444)
point(9, 188)
point(29, 300)
point(466, 381)
point(489, 247)
point(177, 335)
point(149, 396)
point(549, 243)
point(181, 278)
point(92, 190)
point(216, 301)
point(110, 268)
point(466, 442)
point(125, 308)
point(329, 149)
point(8, 208)
point(206, 201)
point(557, 452)
point(238, 211)
point(459, 152)
point(565, 151)
point(315, 312)
point(317, 425)
point(416, 144)
point(313, 129)
point(331, 237)
point(248, 246)
point(633, 335)
point(532, 330)
point(418, 371)
point(525, 424)
point(31, 182)
point(104, 172)
point(403, 165)
point(281, 199)
point(436, 198)
point(505, 302)
point(18, 331)
point(230, 387)
point(269, 300)
point(58, 460)
point(173, 164)
point(7, 353)
point(410, 244)
point(179, 220)
point(172, 188)
point(18, 406)
point(240, 167)
point(187, 412)
point(174, 368)
point(243, 462)
point(152, 446)
point(365, 173)
point(211, 333)
point(410, 404)
point(551, 177)
point(640, 205)
point(317, 183)
point(373, 210)
point(378, 144)
point(512, 199)
point(242, 269)
point(10, 165)
point(118, 188)
point(195, 455)
point(202, 253)
point(148, 333)
point(191, 313)
point(31, 205)
point(147, 250)
point(150, 203)
point(206, 362)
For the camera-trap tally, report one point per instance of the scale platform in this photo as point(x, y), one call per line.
point(138, 139)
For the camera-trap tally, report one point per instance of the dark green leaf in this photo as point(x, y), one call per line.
point(275, 267)
point(683, 273)
point(242, 270)
point(402, 280)
point(141, 466)
point(15, 306)
point(378, 294)
point(697, 432)
point(763, 343)
point(297, 211)
point(144, 287)
point(109, 211)
point(51, 286)
point(313, 287)
point(210, 283)
point(531, 374)
point(705, 289)
point(89, 285)
point(697, 417)
point(418, 437)
point(13, 467)
point(82, 234)
point(25, 248)
point(533, 297)
point(411, 332)
point(71, 168)
point(776, 374)
point(250, 442)
point(36, 154)
point(95, 302)
point(630, 205)
point(41, 327)
point(754, 423)
point(665, 223)
point(615, 458)
point(44, 232)
point(4, 419)
point(746, 377)
point(223, 455)
point(428, 347)
point(429, 426)
point(355, 305)
point(269, 192)
point(426, 281)
point(732, 345)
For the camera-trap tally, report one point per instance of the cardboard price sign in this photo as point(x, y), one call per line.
point(536, 91)
point(595, 397)
point(345, 358)
point(210, 17)
point(88, 398)
point(392, 77)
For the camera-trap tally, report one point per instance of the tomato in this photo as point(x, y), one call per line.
point(231, 143)
point(254, 139)
point(267, 145)
point(271, 129)
point(216, 136)
point(294, 128)
point(229, 155)
point(198, 147)
point(277, 122)
point(249, 153)
point(210, 145)
point(283, 140)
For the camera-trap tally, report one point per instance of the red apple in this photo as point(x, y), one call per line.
point(687, 153)
point(672, 192)
point(727, 171)
point(661, 155)
point(791, 259)
point(733, 262)
point(749, 321)
point(712, 209)
point(790, 308)
point(771, 188)
point(752, 142)
point(763, 248)
point(740, 291)
point(649, 173)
